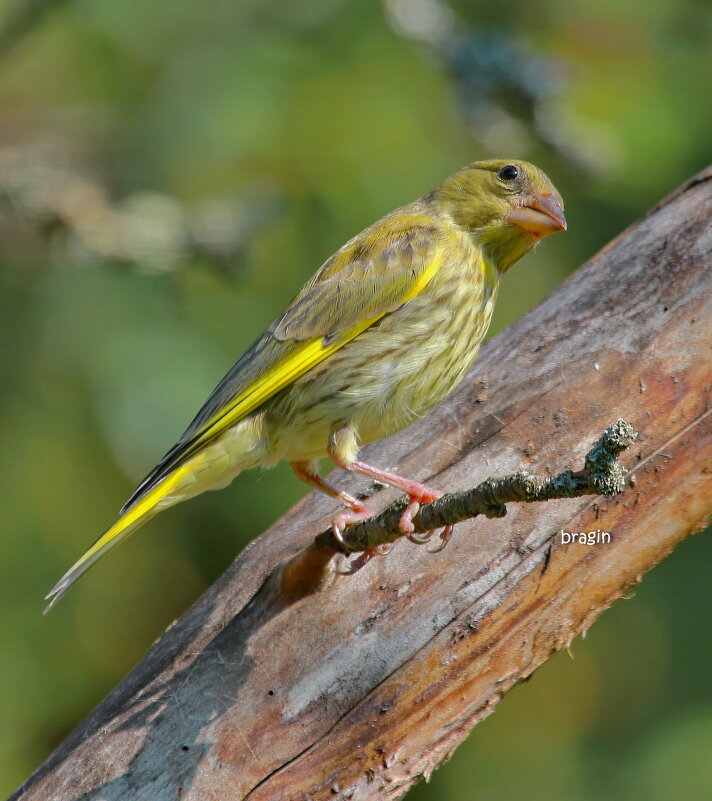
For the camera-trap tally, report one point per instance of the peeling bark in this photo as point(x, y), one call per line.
point(359, 688)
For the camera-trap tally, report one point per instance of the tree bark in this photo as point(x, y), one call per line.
point(356, 687)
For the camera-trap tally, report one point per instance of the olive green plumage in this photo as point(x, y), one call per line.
point(378, 336)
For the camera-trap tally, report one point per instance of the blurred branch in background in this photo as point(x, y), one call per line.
point(511, 93)
point(20, 17)
point(42, 188)
point(511, 96)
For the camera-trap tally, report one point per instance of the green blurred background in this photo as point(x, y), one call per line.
point(170, 173)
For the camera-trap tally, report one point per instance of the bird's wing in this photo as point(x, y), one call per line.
point(369, 277)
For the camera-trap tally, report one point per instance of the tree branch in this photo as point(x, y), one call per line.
point(279, 684)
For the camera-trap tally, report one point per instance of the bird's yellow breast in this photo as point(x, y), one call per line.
point(396, 370)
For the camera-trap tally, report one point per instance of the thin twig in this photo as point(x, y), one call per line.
point(602, 474)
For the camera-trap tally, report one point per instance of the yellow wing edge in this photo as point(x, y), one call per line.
point(309, 356)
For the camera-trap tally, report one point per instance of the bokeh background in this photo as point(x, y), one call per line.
point(170, 173)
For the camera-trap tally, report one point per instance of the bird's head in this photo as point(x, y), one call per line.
point(508, 206)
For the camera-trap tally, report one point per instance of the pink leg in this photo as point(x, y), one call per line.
point(418, 493)
point(357, 511)
point(307, 472)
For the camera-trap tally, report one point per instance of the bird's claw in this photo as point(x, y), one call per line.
point(365, 558)
point(415, 500)
point(405, 524)
point(426, 536)
point(411, 510)
point(420, 539)
point(347, 518)
point(444, 537)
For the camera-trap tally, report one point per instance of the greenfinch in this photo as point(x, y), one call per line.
point(382, 332)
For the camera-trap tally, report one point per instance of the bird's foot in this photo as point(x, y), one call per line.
point(348, 517)
point(415, 500)
point(365, 558)
point(418, 494)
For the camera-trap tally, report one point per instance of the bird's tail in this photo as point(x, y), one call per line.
point(168, 492)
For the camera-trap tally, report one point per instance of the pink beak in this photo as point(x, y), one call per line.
point(539, 215)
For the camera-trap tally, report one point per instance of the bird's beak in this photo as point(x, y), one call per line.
point(539, 215)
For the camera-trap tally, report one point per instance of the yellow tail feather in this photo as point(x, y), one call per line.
point(132, 519)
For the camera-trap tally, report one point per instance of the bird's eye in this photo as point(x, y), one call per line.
point(508, 173)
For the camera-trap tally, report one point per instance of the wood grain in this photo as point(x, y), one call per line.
point(358, 688)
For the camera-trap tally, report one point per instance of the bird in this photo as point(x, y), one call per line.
point(377, 337)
